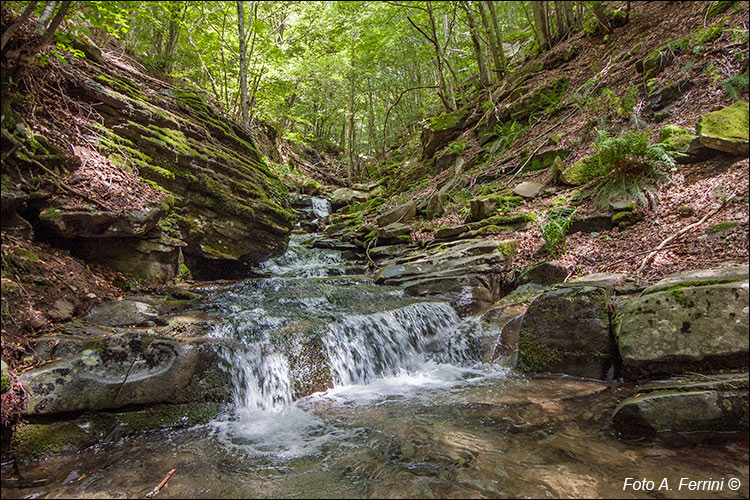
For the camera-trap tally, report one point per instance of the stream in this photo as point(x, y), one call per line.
point(343, 388)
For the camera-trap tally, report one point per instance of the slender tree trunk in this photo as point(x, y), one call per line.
point(498, 36)
point(601, 17)
point(483, 78)
point(562, 29)
point(45, 16)
point(47, 36)
point(350, 166)
point(540, 25)
point(19, 21)
point(244, 107)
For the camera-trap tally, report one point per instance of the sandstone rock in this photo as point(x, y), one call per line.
point(543, 273)
point(440, 130)
point(685, 411)
point(345, 196)
point(125, 312)
point(592, 224)
point(604, 280)
point(701, 277)
point(527, 189)
point(400, 213)
point(485, 206)
point(566, 330)
point(125, 369)
point(62, 310)
point(726, 129)
point(685, 328)
point(394, 230)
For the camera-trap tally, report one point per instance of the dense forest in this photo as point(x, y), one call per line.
point(366, 249)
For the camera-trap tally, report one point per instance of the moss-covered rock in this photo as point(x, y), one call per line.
point(681, 327)
point(567, 331)
point(124, 369)
point(682, 411)
point(726, 129)
point(441, 130)
point(583, 171)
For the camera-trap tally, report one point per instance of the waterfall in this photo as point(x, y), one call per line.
point(300, 332)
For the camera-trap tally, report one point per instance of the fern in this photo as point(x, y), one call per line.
point(736, 85)
point(555, 230)
point(632, 165)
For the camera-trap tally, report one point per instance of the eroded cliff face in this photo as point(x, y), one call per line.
point(134, 172)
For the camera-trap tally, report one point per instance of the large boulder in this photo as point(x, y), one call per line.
point(400, 213)
point(726, 129)
point(485, 206)
point(125, 312)
point(345, 196)
point(686, 323)
point(566, 330)
point(122, 370)
point(686, 411)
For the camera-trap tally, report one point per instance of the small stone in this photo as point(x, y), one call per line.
point(685, 211)
point(527, 189)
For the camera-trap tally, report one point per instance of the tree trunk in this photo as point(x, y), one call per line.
point(350, 166)
point(498, 36)
point(601, 17)
point(540, 26)
point(64, 6)
point(45, 16)
point(244, 107)
point(483, 78)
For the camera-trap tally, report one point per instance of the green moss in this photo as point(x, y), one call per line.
point(507, 248)
point(533, 356)
point(4, 383)
point(620, 216)
point(676, 138)
point(584, 170)
point(722, 226)
point(730, 123)
point(543, 100)
point(50, 213)
point(446, 120)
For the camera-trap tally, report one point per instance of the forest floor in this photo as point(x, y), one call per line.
point(699, 186)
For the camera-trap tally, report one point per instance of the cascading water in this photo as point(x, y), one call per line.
point(302, 331)
point(321, 207)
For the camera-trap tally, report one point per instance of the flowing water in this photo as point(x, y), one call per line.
point(347, 389)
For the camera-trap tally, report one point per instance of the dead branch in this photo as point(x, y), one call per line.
point(679, 233)
point(161, 485)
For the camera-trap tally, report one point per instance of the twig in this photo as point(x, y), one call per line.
point(520, 169)
point(679, 233)
point(161, 485)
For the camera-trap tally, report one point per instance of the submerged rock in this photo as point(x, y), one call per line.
point(686, 411)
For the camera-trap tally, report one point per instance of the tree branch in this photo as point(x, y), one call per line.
point(679, 233)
